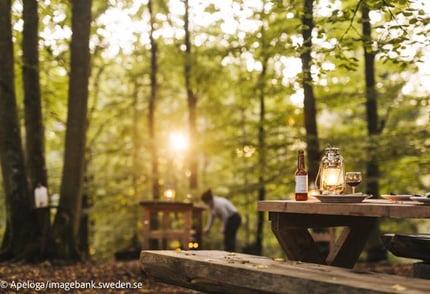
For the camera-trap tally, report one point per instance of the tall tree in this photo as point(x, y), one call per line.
point(20, 234)
point(375, 251)
point(192, 103)
point(153, 148)
point(151, 107)
point(34, 129)
point(32, 97)
point(67, 219)
point(307, 84)
point(262, 158)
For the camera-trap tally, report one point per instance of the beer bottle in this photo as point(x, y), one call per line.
point(301, 177)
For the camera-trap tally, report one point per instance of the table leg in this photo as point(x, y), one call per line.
point(165, 223)
point(297, 243)
point(292, 233)
point(351, 243)
point(187, 229)
point(197, 216)
point(146, 228)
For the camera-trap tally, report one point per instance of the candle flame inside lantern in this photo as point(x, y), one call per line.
point(332, 180)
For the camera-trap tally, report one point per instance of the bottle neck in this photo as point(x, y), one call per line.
point(301, 160)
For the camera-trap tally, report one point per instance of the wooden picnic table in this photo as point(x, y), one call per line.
point(290, 221)
point(188, 217)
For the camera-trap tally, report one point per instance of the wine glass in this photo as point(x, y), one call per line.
point(353, 179)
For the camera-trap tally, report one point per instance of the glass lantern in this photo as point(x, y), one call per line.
point(331, 173)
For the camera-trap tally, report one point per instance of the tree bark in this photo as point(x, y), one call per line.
point(151, 109)
point(35, 143)
point(19, 237)
point(261, 154)
point(309, 97)
point(375, 250)
point(34, 129)
point(68, 217)
point(262, 158)
point(192, 105)
point(153, 149)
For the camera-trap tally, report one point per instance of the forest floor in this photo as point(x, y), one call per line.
point(113, 275)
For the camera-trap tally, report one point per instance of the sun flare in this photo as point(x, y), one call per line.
point(178, 141)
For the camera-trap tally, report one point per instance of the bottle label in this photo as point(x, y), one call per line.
point(301, 184)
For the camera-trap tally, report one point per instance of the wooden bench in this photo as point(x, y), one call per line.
point(222, 272)
point(416, 246)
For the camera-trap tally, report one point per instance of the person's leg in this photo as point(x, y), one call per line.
point(231, 228)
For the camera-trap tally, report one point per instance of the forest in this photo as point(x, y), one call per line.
point(108, 103)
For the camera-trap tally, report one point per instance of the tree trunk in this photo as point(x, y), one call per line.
point(153, 149)
point(262, 154)
point(192, 105)
point(34, 129)
point(68, 217)
point(151, 110)
point(19, 237)
point(375, 250)
point(309, 97)
point(35, 143)
point(84, 227)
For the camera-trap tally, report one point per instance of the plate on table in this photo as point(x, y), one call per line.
point(343, 198)
point(395, 198)
point(421, 199)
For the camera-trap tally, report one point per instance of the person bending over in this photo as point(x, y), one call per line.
point(225, 210)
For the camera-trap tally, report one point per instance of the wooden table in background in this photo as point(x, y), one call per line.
point(157, 223)
point(291, 220)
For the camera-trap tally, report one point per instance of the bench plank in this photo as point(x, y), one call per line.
point(408, 245)
point(222, 272)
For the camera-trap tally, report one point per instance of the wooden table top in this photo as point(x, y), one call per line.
point(368, 208)
point(168, 205)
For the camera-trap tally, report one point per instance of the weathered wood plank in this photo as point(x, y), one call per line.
point(408, 245)
point(369, 207)
point(222, 272)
